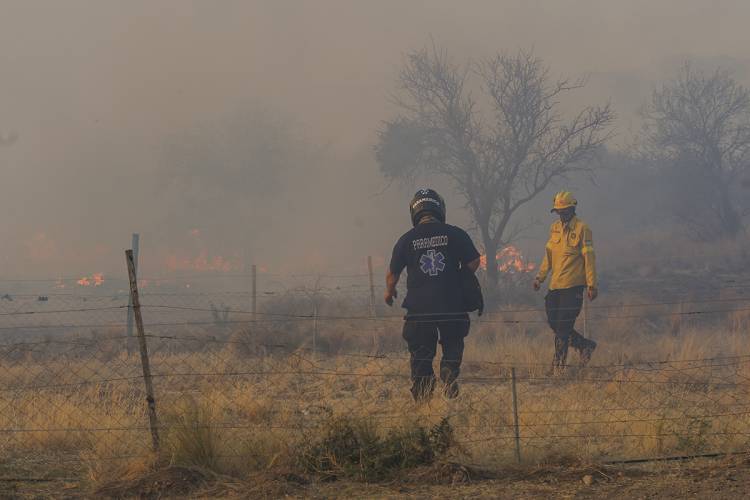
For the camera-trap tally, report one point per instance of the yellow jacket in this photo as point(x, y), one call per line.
point(569, 254)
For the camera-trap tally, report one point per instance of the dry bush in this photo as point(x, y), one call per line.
point(351, 447)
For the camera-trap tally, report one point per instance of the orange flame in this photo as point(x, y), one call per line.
point(96, 279)
point(509, 260)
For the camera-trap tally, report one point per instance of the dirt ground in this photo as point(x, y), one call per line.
point(696, 479)
point(701, 478)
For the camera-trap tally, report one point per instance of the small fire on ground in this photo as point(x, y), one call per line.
point(96, 279)
point(509, 260)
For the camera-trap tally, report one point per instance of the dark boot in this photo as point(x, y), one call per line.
point(452, 342)
point(584, 346)
point(451, 390)
point(561, 354)
point(422, 389)
point(586, 351)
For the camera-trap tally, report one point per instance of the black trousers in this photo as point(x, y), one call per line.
point(563, 307)
point(422, 336)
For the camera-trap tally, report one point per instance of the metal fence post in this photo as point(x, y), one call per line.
point(254, 291)
point(516, 429)
point(372, 286)
point(135, 244)
point(153, 422)
point(373, 310)
point(585, 315)
point(315, 331)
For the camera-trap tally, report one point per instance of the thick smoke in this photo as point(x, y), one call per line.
point(241, 132)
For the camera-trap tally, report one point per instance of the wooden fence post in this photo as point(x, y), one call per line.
point(134, 245)
point(516, 429)
point(153, 422)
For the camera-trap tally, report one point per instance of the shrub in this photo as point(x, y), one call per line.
point(352, 447)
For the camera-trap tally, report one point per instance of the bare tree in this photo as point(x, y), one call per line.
point(499, 155)
point(698, 125)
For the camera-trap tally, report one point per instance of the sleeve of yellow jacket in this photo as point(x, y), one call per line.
point(545, 266)
point(589, 257)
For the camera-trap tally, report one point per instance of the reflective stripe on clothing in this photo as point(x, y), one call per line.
point(569, 256)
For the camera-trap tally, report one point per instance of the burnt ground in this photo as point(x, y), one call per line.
point(700, 478)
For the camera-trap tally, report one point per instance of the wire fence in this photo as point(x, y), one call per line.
point(73, 379)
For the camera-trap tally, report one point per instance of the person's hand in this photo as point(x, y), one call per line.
point(593, 293)
point(389, 296)
point(537, 285)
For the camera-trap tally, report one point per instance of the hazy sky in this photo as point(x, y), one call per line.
point(96, 89)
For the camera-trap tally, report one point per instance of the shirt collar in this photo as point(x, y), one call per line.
point(572, 223)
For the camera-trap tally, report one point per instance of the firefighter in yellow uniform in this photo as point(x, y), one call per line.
point(569, 256)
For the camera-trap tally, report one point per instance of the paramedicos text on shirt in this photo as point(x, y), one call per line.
point(435, 241)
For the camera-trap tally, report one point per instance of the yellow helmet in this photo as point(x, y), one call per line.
point(563, 200)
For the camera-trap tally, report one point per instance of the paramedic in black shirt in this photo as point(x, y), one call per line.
point(434, 254)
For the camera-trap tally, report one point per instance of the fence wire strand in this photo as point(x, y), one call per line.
point(72, 376)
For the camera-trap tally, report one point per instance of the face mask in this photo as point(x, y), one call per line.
point(566, 215)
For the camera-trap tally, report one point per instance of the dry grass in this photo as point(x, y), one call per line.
point(230, 411)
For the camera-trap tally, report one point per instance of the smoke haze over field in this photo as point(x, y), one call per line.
point(242, 131)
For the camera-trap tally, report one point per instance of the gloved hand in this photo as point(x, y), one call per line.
point(389, 296)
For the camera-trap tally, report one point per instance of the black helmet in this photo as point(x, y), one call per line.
point(427, 200)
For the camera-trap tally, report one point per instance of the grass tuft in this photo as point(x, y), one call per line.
point(192, 439)
point(353, 448)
